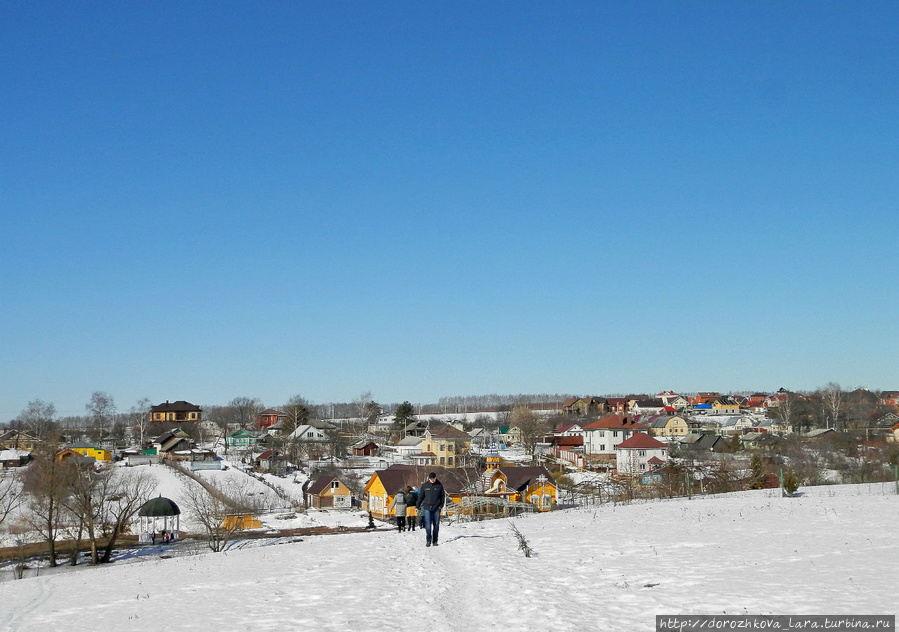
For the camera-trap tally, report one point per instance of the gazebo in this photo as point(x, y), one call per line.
point(158, 510)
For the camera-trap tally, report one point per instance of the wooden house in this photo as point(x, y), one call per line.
point(328, 492)
point(175, 412)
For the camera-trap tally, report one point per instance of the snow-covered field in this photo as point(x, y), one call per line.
point(831, 551)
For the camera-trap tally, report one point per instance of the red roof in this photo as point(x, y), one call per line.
point(641, 440)
point(614, 422)
point(655, 459)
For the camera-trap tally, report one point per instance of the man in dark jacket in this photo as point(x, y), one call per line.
point(430, 503)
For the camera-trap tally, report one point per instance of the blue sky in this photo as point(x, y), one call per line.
point(208, 200)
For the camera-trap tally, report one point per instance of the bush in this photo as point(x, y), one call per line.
point(790, 483)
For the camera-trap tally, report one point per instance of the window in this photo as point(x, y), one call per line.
point(442, 461)
point(443, 447)
point(450, 446)
point(335, 484)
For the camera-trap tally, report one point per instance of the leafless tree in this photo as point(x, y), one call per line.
point(533, 427)
point(139, 419)
point(210, 505)
point(11, 496)
point(46, 483)
point(37, 418)
point(125, 490)
point(101, 409)
point(833, 396)
point(244, 411)
point(298, 410)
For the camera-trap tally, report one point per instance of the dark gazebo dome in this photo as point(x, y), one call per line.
point(159, 507)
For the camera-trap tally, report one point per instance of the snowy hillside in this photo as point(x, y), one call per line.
point(831, 551)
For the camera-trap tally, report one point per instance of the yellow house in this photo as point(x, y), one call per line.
point(384, 485)
point(88, 450)
point(179, 411)
point(533, 485)
point(665, 426)
point(239, 522)
point(447, 444)
point(468, 490)
point(725, 406)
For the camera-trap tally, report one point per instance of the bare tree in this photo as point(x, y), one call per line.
point(833, 396)
point(365, 406)
point(11, 496)
point(101, 409)
point(244, 410)
point(125, 491)
point(139, 419)
point(211, 505)
point(46, 484)
point(37, 418)
point(298, 410)
point(533, 427)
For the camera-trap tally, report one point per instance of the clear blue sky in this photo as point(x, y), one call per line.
point(208, 200)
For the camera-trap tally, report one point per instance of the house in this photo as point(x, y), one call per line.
point(509, 435)
point(447, 444)
point(90, 451)
point(243, 438)
point(270, 417)
point(890, 398)
point(672, 399)
point(168, 443)
point(13, 458)
point(648, 407)
point(366, 447)
point(383, 484)
point(408, 446)
point(18, 440)
point(667, 426)
point(704, 441)
point(602, 435)
point(271, 462)
point(328, 492)
point(316, 430)
point(639, 454)
point(584, 406)
point(894, 433)
point(175, 412)
point(725, 406)
point(706, 397)
point(533, 485)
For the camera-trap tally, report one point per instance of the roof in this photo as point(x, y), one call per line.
point(448, 432)
point(454, 480)
point(613, 422)
point(159, 507)
point(641, 440)
point(180, 406)
point(321, 484)
point(519, 478)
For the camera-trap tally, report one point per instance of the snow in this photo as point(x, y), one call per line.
point(832, 550)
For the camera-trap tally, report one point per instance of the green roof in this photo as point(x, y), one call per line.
point(159, 507)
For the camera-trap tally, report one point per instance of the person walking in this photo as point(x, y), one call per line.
point(411, 498)
point(431, 497)
point(398, 504)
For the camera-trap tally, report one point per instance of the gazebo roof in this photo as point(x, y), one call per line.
point(159, 507)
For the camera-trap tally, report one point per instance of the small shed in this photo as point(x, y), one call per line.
point(329, 492)
point(159, 516)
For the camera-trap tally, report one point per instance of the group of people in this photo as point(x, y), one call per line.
point(428, 501)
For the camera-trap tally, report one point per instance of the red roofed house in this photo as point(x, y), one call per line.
point(601, 436)
point(640, 453)
point(270, 417)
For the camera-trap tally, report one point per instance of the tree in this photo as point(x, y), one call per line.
point(365, 407)
point(244, 411)
point(37, 418)
point(101, 409)
point(402, 417)
point(46, 483)
point(210, 505)
point(533, 428)
point(833, 396)
point(139, 418)
point(298, 410)
point(11, 496)
point(125, 492)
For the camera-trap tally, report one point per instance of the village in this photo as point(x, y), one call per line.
point(529, 458)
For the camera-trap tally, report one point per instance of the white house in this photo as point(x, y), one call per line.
point(639, 453)
point(603, 435)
